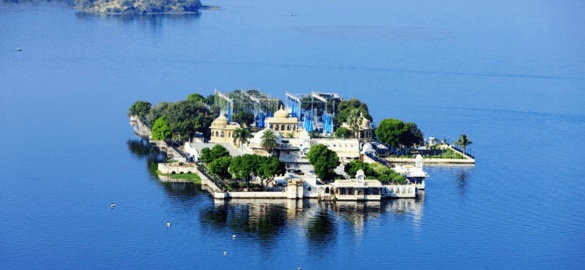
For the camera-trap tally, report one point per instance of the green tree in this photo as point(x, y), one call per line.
point(185, 117)
point(354, 120)
point(389, 131)
point(269, 141)
point(244, 118)
point(220, 167)
point(218, 151)
point(205, 156)
point(324, 162)
point(161, 130)
point(345, 107)
point(463, 141)
point(412, 136)
point(356, 165)
point(210, 100)
point(343, 133)
point(268, 169)
point(243, 167)
point(242, 135)
point(140, 109)
point(196, 97)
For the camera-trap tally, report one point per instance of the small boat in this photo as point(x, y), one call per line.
point(19, 50)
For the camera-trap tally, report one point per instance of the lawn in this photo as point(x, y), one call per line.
point(193, 177)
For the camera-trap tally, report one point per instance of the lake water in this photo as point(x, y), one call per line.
point(510, 74)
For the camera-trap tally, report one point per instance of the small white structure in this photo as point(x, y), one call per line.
point(415, 172)
point(358, 189)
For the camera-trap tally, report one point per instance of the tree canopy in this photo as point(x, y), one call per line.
point(196, 97)
point(161, 130)
point(389, 131)
point(210, 100)
point(346, 106)
point(242, 167)
point(463, 141)
point(220, 167)
point(209, 155)
point(354, 120)
point(343, 133)
point(394, 132)
point(356, 165)
point(140, 109)
point(412, 136)
point(269, 141)
point(185, 117)
point(242, 135)
point(324, 162)
point(244, 118)
point(269, 167)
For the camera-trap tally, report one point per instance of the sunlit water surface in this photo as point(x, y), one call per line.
point(510, 74)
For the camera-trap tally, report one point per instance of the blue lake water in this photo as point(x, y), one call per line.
point(510, 74)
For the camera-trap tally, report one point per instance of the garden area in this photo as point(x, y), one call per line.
point(431, 153)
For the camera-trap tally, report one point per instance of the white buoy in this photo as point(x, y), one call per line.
point(19, 50)
point(113, 205)
point(224, 253)
point(168, 224)
point(290, 14)
point(234, 236)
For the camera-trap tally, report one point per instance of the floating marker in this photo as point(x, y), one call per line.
point(234, 236)
point(168, 224)
point(224, 253)
point(113, 205)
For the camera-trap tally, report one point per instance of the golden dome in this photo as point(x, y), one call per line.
point(220, 122)
point(281, 113)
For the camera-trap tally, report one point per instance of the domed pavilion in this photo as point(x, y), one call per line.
point(222, 131)
point(282, 123)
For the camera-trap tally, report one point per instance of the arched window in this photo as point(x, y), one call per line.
point(288, 127)
point(221, 134)
point(217, 134)
point(276, 127)
point(282, 127)
point(229, 134)
point(327, 190)
point(271, 127)
point(294, 127)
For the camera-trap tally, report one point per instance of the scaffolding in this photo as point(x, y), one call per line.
point(260, 104)
point(311, 118)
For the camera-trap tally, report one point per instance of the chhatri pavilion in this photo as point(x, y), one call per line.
point(222, 131)
point(283, 123)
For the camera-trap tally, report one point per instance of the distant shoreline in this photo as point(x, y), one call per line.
point(136, 13)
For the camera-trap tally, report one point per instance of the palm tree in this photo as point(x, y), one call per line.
point(463, 141)
point(269, 141)
point(242, 135)
point(354, 120)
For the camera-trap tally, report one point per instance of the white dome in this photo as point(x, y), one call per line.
point(304, 136)
point(368, 146)
point(258, 137)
